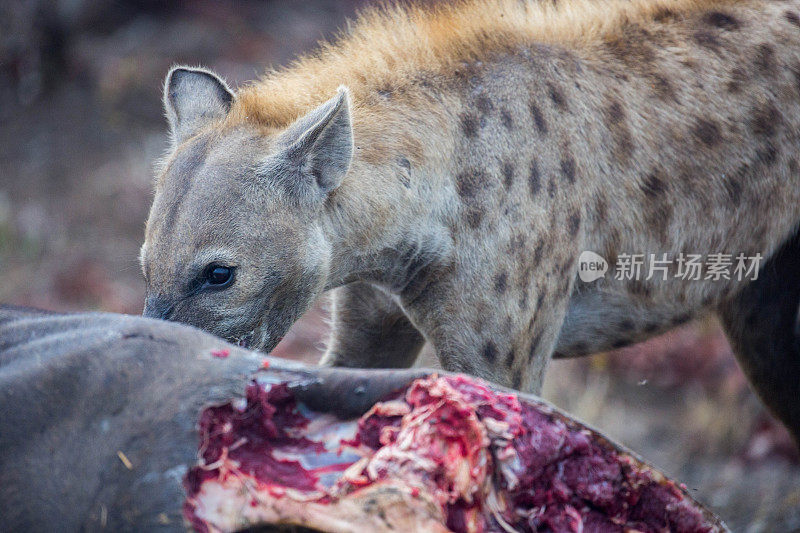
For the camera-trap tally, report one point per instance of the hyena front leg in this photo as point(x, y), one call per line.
point(762, 324)
point(505, 334)
point(370, 330)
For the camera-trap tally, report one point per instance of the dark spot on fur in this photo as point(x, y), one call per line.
point(574, 224)
point(564, 285)
point(469, 125)
point(601, 209)
point(470, 183)
point(768, 154)
point(681, 319)
point(557, 96)
point(510, 356)
point(626, 325)
point(534, 179)
point(506, 119)
point(653, 185)
point(523, 300)
point(662, 86)
point(721, 20)
point(501, 283)
point(766, 120)
point(473, 216)
point(619, 343)
point(633, 47)
point(738, 78)
point(615, 113)
point(792, 17)
point(617, 125)
point(537, 252)
point(484, 105)
point(508, 174)
point(551, 188)
point(490, 352)
point(651, 328)
point(793, 165)
point(706, 39)
point(540, 300)
point(568, 168)
point(734, 188)
point(551, 232)
point(535, 345)
point(516, 381)
point(765, 58)
point(538, 119)
point(707, 131)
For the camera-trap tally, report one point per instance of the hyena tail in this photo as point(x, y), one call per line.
point(763, 324)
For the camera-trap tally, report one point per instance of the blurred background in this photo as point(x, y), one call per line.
point(81, 125)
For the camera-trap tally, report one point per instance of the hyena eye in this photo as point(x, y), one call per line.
point(218, 276)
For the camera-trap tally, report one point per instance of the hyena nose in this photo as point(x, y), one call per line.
point(157, 307)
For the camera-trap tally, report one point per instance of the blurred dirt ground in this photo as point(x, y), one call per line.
point(80, 93)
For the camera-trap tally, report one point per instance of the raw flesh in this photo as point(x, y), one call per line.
point(445, 454)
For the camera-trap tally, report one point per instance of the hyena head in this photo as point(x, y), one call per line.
point(235, 240)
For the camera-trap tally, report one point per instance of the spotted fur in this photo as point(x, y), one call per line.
point(476, 150)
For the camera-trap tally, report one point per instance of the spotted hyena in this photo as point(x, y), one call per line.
point(443, 170)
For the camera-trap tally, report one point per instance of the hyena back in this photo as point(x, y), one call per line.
point(449, 189)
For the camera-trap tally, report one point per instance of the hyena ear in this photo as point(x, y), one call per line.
point(320, 145)
point(192, 98)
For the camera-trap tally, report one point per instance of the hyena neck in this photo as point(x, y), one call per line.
point(387, 223)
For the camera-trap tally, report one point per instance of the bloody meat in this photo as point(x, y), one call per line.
point(445, 454)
